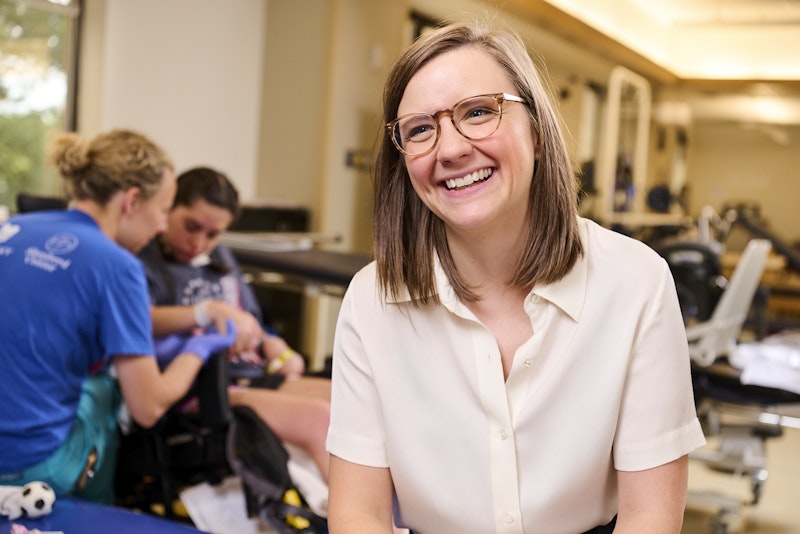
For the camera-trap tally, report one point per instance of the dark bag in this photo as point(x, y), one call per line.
point(258, 457)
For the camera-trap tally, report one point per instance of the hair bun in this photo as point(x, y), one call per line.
point(69, 154)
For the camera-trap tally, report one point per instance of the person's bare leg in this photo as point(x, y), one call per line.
point(300, 421)
point(309, 387)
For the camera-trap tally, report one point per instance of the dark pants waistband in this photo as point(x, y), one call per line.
point(605, 529)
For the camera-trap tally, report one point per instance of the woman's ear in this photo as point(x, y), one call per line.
point(130, 200)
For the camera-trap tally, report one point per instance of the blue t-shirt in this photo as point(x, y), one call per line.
point(70, 298)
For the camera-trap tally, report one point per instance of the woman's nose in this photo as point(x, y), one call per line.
point(197, 242)
point(452, 144)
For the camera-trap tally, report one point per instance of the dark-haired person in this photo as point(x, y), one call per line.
point(195, 282)
point(73, 300)
point(504, 365)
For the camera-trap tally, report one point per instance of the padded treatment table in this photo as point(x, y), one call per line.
point(314, 265)
point(74, 516)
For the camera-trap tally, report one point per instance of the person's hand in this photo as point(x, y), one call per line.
point(204, 345)
point(168, 347)
point(248, 329)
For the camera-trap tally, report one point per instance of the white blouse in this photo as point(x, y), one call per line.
point(603, 384)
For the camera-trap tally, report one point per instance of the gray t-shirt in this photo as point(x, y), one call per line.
point(171, 283)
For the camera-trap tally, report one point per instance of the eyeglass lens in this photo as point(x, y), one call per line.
point(475, 118)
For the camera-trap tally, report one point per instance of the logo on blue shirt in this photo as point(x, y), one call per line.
point(61, 244)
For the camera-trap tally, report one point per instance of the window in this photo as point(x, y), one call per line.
point(38, 50)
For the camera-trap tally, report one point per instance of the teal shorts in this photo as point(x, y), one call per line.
point(95, 429)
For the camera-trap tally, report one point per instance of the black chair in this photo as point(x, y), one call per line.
point(27, 202)
point(189, 447)
point(697, 271)
point(184, 448)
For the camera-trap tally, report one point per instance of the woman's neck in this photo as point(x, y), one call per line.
point(486, 261)
point(106, 216)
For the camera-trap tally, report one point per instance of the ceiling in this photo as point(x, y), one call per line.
point(722, 12)
point(702, 39)
point(729, 59)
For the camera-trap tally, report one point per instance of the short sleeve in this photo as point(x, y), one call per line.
point(356, 432)
point(125, 323)
point(658, 382)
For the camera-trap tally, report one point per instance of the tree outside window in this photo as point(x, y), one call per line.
point(37, 78)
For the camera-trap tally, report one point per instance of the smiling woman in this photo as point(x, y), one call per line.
point(38, 44)
point(487, 309)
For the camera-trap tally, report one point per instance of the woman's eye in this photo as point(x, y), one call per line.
point(419, 131)
point(477, 113)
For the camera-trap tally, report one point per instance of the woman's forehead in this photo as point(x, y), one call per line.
point(453, 76)
point(206, 213)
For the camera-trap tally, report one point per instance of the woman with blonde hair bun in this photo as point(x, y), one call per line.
point(74, 303)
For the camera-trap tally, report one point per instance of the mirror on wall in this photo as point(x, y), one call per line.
point(622, 156)
point(621, 167)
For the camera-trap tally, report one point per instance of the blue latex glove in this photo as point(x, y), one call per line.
point(168, 347)
point(204, 345)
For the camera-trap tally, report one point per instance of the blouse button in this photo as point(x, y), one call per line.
point(527, 362)
point(502, 435)
point(536, 299)
point(508, 519)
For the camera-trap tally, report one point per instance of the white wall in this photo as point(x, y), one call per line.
point(734, 162)
point(296, 72)
point(365, 40)
point(188, 73)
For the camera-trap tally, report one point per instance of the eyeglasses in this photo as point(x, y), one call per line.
point(475, 118)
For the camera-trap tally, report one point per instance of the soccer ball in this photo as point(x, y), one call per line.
point(36, 499)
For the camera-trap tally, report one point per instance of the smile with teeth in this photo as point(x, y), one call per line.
point(469, 179)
